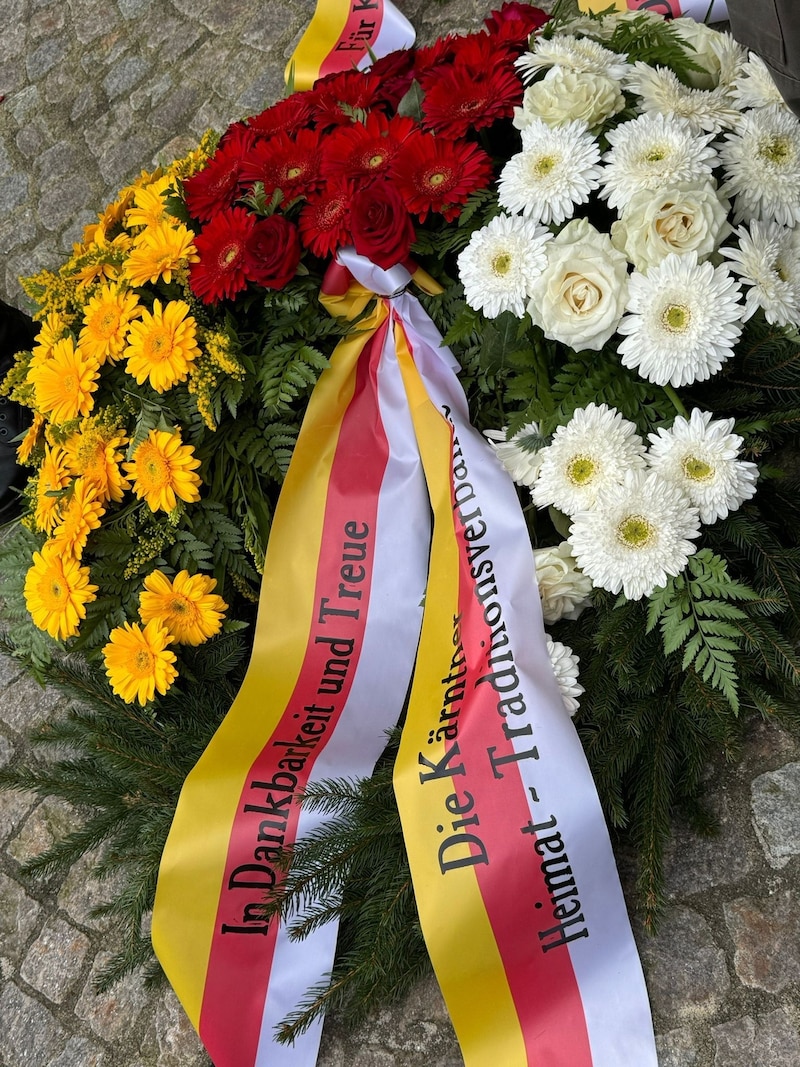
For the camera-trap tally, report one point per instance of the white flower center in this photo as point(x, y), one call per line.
point(501, 263)
point(636, 532)
point(777, 150)
point(697, 469)
point(543, 166)
point(581, 469)
point(676, 318)
point(582, 296)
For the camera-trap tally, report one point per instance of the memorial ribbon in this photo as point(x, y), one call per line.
point(515, 881)
point(700, 10)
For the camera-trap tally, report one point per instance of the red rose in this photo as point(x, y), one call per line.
point(516, 21)
point(272, 252)
point(380, 224)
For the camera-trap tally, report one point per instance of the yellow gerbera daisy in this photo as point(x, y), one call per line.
point(138, 661)
point(31, 439)
point(52, 329)
point(57, 590)
point(163, 469)
point(159, 250)
point(185, 605)
point(148, 209)
point(64, 383)
point(80, 514)
point(95, 452)
point(53, 475)
point(106, 318)
point(162, 345)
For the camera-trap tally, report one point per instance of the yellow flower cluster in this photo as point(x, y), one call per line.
point(217, 359)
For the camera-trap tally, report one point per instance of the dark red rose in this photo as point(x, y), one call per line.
point(380, 224)
point(515, 21)
point(272, 252)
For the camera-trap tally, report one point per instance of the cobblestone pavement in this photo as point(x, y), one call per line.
point(92, 92)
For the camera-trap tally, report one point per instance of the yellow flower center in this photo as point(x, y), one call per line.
point(375, 161)
point(501, 264)
point(158, 345)
point(581, 469)
point(544, 165)
point(437, 178)
point(655, 155)
point(635, 531)
point(106, 322)
point(229, 255)
point(53, 594)
point(698, 470)
point(142, 662)
point(778, 151)
point(294, 172)
point(676, 318)
point(153, 470)
point(181, 606)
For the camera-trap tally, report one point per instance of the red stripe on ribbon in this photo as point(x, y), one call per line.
point(359, 34)
point(240, 962)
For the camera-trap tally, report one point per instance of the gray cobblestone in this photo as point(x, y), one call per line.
point(776, 813)
point(767, 938)
point(19, 917)
point(31, 1034)
point(111, 1015)
point(54, 960)
point(768, 1041)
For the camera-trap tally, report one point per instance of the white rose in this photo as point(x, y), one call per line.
point(563, 95)
point(565, 591)
point(684, 217)
point(708, 48)
point(580, 296)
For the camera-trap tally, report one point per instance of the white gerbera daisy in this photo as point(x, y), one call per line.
point(500, 264)
point(701, 456)
point(592, 452)
point(755, 86)
point(663, 93)
point(521, 454)
point(565, 667)
point(762, 166)
point(580, 54)
point(636, 536)
point(557, 168)
point(684, 319)
point(563, 589)
point(650, 151)
point(767, 259)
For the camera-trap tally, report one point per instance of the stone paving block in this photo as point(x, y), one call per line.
point(113, 1014)
point(687, 976)
point(50, 821)
point(677, 1049)
point(776, 813)
point(28, 1029)
point(54, 960)
point(170, 1040)
point(81, 891)
point(15, 806)
point(80, 1052)
point(26, 704)
point(19, 918)
point(766, 935)
point(695, 863)
point(767, 1041)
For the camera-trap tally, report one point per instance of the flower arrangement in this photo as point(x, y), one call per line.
point(611, 204)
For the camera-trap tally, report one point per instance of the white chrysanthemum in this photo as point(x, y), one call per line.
point(662, 92)
point(755, 86)
point(684, 319)
point(580, 54)
point(650, 151)
point(563, 589)
point(565, 667)
point(701, 456)
point(500, 264)
point(762, 166)
point(521, 454)
point(767, 259)
point(592, 452)
point(636, 536)
point(557, 168)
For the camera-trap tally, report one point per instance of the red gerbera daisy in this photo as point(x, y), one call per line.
point(459, 100)
point(396, 72)
point(360, 151)
point(288, 115)
point(351, 88)
point(325, 219)
point(217, 185)
point(433, 174)
point(515, 22)
point(290, 164)
point(221, 270)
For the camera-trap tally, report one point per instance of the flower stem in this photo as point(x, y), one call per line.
point(676, 401)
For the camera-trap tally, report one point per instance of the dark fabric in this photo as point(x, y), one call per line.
point(771, 28)
point(17, 333)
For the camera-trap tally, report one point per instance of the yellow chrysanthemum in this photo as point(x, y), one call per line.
point(186, 605)
point(95, 452)
point(158, 251)
point(106, 318)
point(31, 439)
point(80, 514)
point(57, 590)
point(148, 204)
point(64, 383)
point(138, 661)
point(162, 345)
point(163, 469)
point(53, 476)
